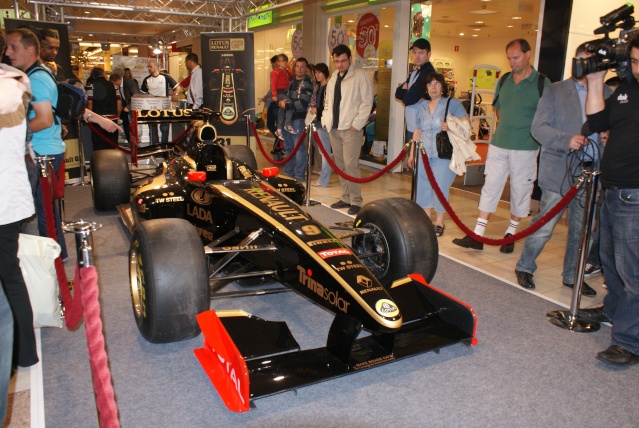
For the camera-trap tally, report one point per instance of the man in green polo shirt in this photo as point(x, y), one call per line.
point(513, 151)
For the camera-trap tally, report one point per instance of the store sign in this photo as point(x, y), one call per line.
point(337, 35)
point(367, 41)
point(420, 14)
point(297, 45)
point(260, 19)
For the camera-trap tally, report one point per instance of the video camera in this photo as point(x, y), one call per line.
point(609, 53)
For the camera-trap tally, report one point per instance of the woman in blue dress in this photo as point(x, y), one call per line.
point(430, 121)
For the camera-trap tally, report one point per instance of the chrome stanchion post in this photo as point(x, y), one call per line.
point(83, 168)
point(417, 147)
point(309, 167)
point(569, 320)
point(248, 129)
point(83, 239)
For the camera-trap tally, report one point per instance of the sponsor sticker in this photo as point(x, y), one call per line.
point(364, 281)
point(386, 308)
point(201, 197)
point(332, 297)
point(325, 254)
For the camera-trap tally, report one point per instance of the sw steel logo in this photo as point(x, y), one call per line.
point(331, 297)
point(201, 197)
point(325, 254)
point(386, 308)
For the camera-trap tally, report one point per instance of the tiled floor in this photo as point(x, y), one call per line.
point(490, 260)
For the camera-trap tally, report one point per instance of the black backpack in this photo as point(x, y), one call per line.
point(540, 84)
point(72, 101)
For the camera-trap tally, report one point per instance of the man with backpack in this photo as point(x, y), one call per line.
point(23, 50)
point(513, 151)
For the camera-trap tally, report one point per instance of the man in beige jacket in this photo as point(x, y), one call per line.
point(349, 99)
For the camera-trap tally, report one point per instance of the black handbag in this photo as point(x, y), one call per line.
point(442, 142)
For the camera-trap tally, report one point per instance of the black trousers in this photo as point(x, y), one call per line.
point(25, 352)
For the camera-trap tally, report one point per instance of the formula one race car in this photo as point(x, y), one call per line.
point(204, 217)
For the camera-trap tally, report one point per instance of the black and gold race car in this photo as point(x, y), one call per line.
point(201, 216)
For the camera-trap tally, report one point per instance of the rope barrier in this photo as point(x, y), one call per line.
point(72, 306)
point(270, 159)
point(100, 135)
point(85, 302)
point(102, 384)
point(345, 176)
point(106, 140)
point(534, 227)
point(58, 182)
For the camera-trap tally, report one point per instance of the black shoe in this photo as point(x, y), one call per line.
point(507, 248)
point(340, 204)
point(593, 314)
point(525, 279)
point(439, 230)
point(618, 355)
point(468, 242)
point(354, 210)
point(586, 290)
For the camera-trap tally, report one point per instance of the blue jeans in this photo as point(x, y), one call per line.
point(6, 351)
point(325, 173)
point(619, 244)
point(295, 167)
point(153, 133)
point(444, 177)
point(39, 209)
point(534, 244)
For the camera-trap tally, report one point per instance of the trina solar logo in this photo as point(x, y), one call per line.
point(324, 254)
point(331, 297)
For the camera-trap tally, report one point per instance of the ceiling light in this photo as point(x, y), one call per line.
point(386, 26)
point(475, 35)
point(476, 29)
point(87, 12)
point(516, 17)
point(461, 34)
point(509, 26)
point(350, 21)
point(479, 22)
point(482, 12)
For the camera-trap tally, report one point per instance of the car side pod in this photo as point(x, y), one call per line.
point(247, 357)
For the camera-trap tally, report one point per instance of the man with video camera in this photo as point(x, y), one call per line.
point(619, 239)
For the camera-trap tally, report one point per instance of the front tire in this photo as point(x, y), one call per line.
point(402, 240)
point(168, 273)
point(110, 179)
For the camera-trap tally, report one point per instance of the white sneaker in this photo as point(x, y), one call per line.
point(591, 270)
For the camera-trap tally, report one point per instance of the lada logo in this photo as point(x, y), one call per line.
point(386, 308)
point(201, 197)
point(331, 297)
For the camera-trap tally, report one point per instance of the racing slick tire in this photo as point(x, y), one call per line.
point(110, 179)
point(403, 235)
point(168, 273)
point(242, 154)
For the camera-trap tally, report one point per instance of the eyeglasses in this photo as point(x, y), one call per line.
point(340, 61)
point(434, 83)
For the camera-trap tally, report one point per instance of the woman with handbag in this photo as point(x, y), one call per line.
point(432, 130)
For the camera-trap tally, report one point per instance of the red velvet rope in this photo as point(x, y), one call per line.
point(270, 159)
point(101, 136)
point(345, 176)
point(517, 236)
point(102, 384)
point(97, 132)
point(58, 183)
point(72, 306)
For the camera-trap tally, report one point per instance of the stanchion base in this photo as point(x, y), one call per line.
point(565, 320)
point(311, 203)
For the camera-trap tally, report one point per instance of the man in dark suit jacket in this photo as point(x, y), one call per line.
point(127, 87)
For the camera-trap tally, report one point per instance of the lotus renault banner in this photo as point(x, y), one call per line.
point(227, 77)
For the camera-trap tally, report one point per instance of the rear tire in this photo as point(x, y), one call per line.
point(110, 179)
point(168, 273)
point(242, 154)
point(403, 237)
